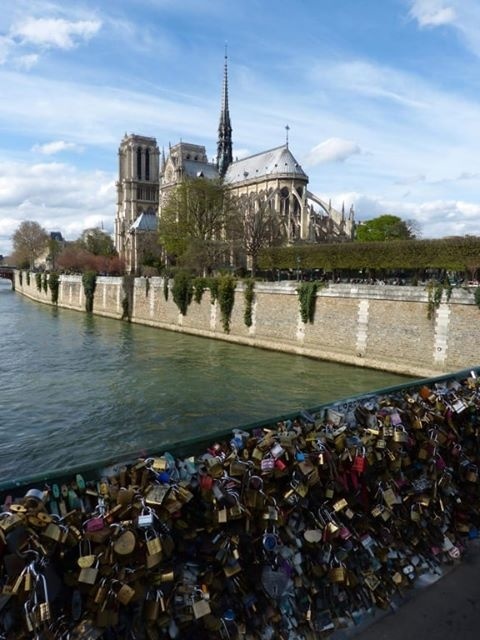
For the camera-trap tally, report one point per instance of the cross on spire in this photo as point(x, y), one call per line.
point(287, 129)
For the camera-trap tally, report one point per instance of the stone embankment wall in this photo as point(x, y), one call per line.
point(382, 327)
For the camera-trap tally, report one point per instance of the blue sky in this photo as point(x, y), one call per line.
point(381, 96)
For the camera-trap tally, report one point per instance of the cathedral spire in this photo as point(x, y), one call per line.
point(224, 143)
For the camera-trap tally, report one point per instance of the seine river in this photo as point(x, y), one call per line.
point(74, 388)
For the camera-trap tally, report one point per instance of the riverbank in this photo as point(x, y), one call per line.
point(397, 329)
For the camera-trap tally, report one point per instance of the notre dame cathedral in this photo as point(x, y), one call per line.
point(146, 178)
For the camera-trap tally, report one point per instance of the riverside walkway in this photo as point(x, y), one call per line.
point(446, 609)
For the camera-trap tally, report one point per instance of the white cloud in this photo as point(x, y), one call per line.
point(461, 15)
point(432, 13)
point(57, 195)
point(332, 150)
point(27, 61)
point(436, 218)
point(54, 32)
point(56, 146)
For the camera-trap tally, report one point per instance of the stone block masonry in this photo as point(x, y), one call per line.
point(380, 327)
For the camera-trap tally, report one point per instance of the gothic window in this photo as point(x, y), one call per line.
point(147, 164)
point(139, 163)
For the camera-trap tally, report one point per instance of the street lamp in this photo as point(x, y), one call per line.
point(298, 268)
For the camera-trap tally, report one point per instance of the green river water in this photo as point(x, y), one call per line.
point(74, 388)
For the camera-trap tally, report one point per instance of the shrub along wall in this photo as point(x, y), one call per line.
point(384, 327)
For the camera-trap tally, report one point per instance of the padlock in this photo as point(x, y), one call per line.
point(145, 518)
point(157, 464)
point(153, 542)
point(125, 543)
point(154, 605)
point(339, 505)
point(93, 524)
point(101, 592)
point(400, 434)
point(267, 464)
point(200, 605)
point(157, 493)
point(9, 521)
point(471, 474)
point(44, 612)
point(270, 540)
point(337, 572)
point(125, 593)
point(88, 575)
point(87, 559)
point(329, 491)
point(359, 461)
point(221, 515)
point(389, 497)
point(277, 450)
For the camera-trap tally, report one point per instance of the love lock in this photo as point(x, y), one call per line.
point(270, 540)
point(275, 582)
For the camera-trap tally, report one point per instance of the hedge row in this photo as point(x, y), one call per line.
point(456, 254)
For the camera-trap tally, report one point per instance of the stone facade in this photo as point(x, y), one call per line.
point(382, 327)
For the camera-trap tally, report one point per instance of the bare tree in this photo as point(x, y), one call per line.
point(260, 227)
point(30, 240)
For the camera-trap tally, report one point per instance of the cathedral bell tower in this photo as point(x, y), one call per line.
point(137, 185)
point(224, 144)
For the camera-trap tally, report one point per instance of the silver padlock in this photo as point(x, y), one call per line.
point(145, 519)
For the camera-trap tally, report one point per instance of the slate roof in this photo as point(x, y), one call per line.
point(193, 168)
point(278, 161)
point(145, 222)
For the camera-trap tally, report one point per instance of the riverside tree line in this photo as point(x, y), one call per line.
point(204, 230)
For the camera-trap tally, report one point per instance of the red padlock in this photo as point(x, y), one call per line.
point(359, 462)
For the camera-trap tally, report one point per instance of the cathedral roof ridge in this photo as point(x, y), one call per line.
point(278, 161)
point(260, 153)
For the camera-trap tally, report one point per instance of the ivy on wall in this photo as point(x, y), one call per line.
point(165, 287)
point(307, 296)
point(435, 294)
point(249, 294)
point(199, 286)
point(20, 278)
point(28, 278)
point(212, 284)
point(89, 281)
point(128, 284)
point(38, 281)
point(45, 283)
point(54, 284)
point(226, 299)
point(182, 291)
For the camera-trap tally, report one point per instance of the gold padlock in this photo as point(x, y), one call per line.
point(153, 543)
point(337, 574)
point(125, 594)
